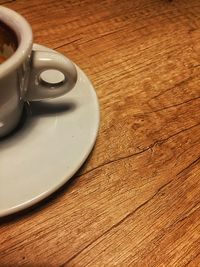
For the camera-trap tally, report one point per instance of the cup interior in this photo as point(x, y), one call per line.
point(8, 42)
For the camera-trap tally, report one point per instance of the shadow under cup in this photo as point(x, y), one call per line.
point(8, 42)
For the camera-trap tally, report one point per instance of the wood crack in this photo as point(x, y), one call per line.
point(172, 106)
point(173, 225)
point(158, 142)
point(171, 88)
point(72, 42)
point(190, 165)
point(90, 40)
point(118, 223)
point(190, 212)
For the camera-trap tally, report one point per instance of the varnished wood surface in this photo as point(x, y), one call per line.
point(136, 202)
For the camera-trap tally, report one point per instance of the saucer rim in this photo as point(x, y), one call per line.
point(48, 193)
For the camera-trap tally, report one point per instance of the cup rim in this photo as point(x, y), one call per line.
point(24, 35)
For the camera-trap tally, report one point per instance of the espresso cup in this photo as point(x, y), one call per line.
point(21, 70)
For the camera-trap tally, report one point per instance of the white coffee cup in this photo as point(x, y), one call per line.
point(20, 73)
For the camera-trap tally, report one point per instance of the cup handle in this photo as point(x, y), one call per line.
point(42, 61)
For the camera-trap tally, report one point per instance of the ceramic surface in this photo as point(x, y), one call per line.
point(49, 147)
point(20, 72)
point(14, 71)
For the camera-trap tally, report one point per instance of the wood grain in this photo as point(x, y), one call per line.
point(136, 202)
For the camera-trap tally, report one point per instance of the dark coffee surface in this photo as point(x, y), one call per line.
point(8, 41)
point(2, 59)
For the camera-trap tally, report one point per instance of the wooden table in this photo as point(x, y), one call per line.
point(136, 201)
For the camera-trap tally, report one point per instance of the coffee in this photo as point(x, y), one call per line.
point(21, 65)
point(8, 42)
point(2, 59)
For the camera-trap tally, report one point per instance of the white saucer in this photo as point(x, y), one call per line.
point(51, 145)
